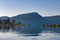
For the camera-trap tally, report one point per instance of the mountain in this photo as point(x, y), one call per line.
point(34, 19)
point(34, 23)
point(54, 19)
point(4, 17)
point(28, 16)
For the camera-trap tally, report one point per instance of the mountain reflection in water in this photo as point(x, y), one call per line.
point(17, 30)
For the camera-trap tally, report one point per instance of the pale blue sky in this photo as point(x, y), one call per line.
point(16, 7)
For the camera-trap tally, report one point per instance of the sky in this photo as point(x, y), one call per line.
point(43, 7)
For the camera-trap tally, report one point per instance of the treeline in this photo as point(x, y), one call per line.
point(52, 25)
point(7, 24)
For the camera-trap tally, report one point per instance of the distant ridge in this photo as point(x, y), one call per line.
point(4, 17)
point(34, 23)
point(28, 16)
point(55, 19)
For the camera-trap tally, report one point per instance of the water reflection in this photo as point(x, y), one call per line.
point(17, 30)
point(19, 36)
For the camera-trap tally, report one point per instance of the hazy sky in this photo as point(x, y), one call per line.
point(43, 7)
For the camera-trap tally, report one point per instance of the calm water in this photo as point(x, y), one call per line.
point(12, 35)
point(42, 36)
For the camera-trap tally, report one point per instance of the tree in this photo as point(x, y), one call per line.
point(19, 22)
point(4, 24)
point(8, 23)
point(29, 25)
point(0, 24)
point(45, 25)
point(13, 24)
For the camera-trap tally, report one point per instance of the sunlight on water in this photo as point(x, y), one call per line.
point(42, 36)
point(6, 35)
